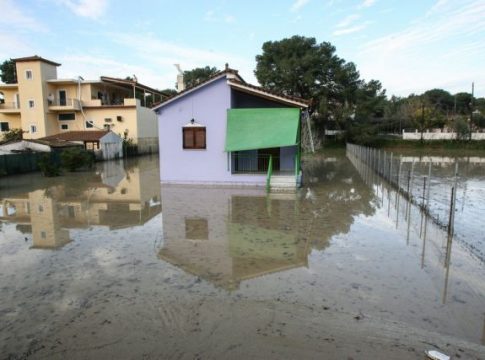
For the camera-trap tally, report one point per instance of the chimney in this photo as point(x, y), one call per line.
point(180, 82)
point(180, 78)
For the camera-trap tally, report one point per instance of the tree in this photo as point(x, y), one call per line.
point(440, 99)
point(198, 75)
point(169, 92)
point(8, 72)
point(12, 134)
point(299, 66)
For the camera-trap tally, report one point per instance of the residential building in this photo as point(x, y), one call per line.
point(42, 105)
point(116, 196)
point(226, 131)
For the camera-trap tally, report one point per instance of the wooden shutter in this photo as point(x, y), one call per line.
point(188, 135)
point(199, 138)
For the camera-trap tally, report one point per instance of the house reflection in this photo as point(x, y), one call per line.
point(226, 235)
point(229, 235)
point(116, 196)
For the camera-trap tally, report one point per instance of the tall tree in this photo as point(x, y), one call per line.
point(302, 67)
point(8, 73)
point(198, 75)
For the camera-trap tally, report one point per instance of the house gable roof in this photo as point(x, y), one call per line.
point(227, 73)
point(235, 81)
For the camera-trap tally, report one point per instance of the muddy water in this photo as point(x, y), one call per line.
point(108, 264)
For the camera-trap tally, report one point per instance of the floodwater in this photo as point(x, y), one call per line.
point(108, 264)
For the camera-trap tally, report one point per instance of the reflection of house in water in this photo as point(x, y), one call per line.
point(229, 235)
point(115, 196)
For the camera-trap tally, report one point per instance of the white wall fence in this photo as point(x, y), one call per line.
point(437, 134)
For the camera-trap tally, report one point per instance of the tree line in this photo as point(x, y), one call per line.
point(340, 98)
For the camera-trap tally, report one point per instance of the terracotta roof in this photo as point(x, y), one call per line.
point(217, 75)
point(36, 58)
point(88, 135)
point(257, 90)
point(237, 80)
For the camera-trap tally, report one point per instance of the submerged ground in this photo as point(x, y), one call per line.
point(108, 264)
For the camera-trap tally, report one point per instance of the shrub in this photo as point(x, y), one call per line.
point(48, 166)
point(76, 158)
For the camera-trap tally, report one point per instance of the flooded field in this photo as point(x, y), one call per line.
point(108, 264)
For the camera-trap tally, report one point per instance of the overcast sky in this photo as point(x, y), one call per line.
point(410, 46)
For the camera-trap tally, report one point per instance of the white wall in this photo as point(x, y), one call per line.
point(438, 135)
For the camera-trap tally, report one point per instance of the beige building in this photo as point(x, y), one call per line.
point(43, 105)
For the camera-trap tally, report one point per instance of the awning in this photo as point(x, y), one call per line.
point(250, 129)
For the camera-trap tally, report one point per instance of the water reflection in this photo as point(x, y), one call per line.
point(435, 240)
point(117, 195)
point(229, 235)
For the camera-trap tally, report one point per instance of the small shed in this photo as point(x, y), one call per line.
point(106, 144)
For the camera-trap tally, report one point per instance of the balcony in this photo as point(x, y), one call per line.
point(64, 104)
point(10, 108)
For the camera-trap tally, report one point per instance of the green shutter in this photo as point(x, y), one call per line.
point(250, 129)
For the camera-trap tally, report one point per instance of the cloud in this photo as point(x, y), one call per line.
point(298, 4)
point(152, 61)
point(215, 16)
point(93, 9)
point(348, 20)
point(443, 48)
point(367, 3)
point(17, 17)
point(350, 30)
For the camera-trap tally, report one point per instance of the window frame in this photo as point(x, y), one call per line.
point(29, 102)
point(2, 126)
point(29, 71)
point(59, 119)
point(33, 129)
point(66, 125)
point(194, 130)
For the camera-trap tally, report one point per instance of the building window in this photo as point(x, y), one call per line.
point(194, 137)
point(33, 129)
point(66, 116)
point(31, 104)
point(28, 74)
point(107, 127)
point(43, 235)
point(196, 229)
point(4, 126)
point(64, 127)
point(89, 124)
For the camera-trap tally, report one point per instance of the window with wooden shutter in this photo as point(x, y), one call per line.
point(194, 137)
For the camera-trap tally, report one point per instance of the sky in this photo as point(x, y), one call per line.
point(410, 46)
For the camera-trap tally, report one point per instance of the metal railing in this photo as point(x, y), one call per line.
point(74, 103)
point(269, 174)
point(9, 106)
point(251, 163)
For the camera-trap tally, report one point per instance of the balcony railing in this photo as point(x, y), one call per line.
point(9, 106)
point(68, 103)
point(252, 163)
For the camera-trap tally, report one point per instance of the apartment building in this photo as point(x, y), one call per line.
point(43, 105)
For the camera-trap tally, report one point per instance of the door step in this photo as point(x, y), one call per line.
point(283, 183)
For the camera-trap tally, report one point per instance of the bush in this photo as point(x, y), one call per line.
point(13, 134)
point(76, 158)
point(462, 130)
point(48, 166)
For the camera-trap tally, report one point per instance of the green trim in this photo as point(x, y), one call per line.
point(270, 173)
point(250, 129)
